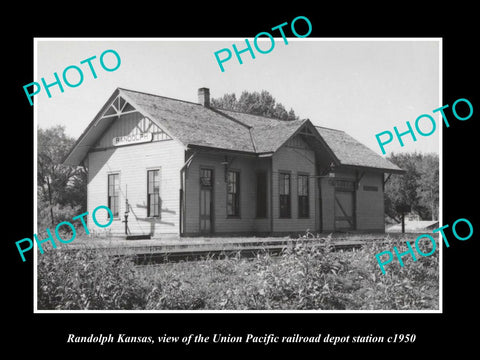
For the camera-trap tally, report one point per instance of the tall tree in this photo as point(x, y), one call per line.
point(58, 184)
point(417, 190)
point(256, 103)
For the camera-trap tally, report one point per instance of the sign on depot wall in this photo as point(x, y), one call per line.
point(132, 139)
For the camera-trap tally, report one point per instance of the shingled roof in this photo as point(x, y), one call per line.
point(351, 152)
point(268, 134)
point(195, 125)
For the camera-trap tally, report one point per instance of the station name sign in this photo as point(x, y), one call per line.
point(132, 139)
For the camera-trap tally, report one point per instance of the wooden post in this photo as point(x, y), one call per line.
point(403, 223)
point(127, 209)
point(271, 195)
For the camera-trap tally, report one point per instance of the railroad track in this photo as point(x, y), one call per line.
point(145, 254)
point(244, 250)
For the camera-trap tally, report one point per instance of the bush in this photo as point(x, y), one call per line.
point(411, 287)
point(87, 280)
point(304, 277)
point(60, 213)
point(175, 293)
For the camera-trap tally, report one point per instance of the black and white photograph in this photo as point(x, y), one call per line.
point(274, 189)
point(250, 196)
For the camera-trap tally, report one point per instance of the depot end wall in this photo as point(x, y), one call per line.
point(370, 203)
point(132, 162)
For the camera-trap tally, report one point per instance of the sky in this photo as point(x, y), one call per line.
point(362, 87)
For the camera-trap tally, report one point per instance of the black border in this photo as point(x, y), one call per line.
point(435, 332)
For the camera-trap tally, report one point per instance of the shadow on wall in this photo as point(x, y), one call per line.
point(152, 220)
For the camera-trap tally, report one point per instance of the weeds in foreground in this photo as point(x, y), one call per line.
point(87, 279)
point(305, 276)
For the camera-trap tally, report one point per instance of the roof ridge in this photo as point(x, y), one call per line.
point(230, 117)
point(160, 96)
point(252, 138)
point(210, 107)
point(221, 114)
point(249, 128)
point(262, 116)
point(324, 127)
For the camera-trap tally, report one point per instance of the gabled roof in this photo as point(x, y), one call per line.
point(191, 123)
point(268, 134)
point(194, 125)
point(351, 152)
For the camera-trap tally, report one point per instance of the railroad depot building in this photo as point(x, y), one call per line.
point(177, 167)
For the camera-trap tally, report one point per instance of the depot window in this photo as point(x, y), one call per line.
point(114, 193)
point(153, 193)
point(284, 194)
point(303, 203)
point(233, 193)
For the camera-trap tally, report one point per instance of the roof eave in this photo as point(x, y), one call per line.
point(336, 160)
point(317, 135)
point(216, 149)
point(373, 168)
point(85, 132)
point(69, 158)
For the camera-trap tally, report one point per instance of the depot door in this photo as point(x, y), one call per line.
point(344, 210)
point(206, 201)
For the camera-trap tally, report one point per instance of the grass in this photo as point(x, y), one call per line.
point(302, 278)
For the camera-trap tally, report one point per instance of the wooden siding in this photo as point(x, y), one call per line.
point(247, 221)
point(327, 204)
point(370, 204)
point(132, 163)
point(297, 142)
point(295, 160)
point(131, 124)
point(295, 157)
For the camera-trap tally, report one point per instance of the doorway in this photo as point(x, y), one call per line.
point(344, 210)
point(206, 201)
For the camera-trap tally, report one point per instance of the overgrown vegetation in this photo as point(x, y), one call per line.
point(417, 189)
point(87, 279)
point(61, 190)
point(304, 277)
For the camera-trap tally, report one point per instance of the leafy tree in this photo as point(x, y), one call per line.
point(256, 103)
point(416, 191)
point(60, 188)
point(227, 102)
point(428, 185)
